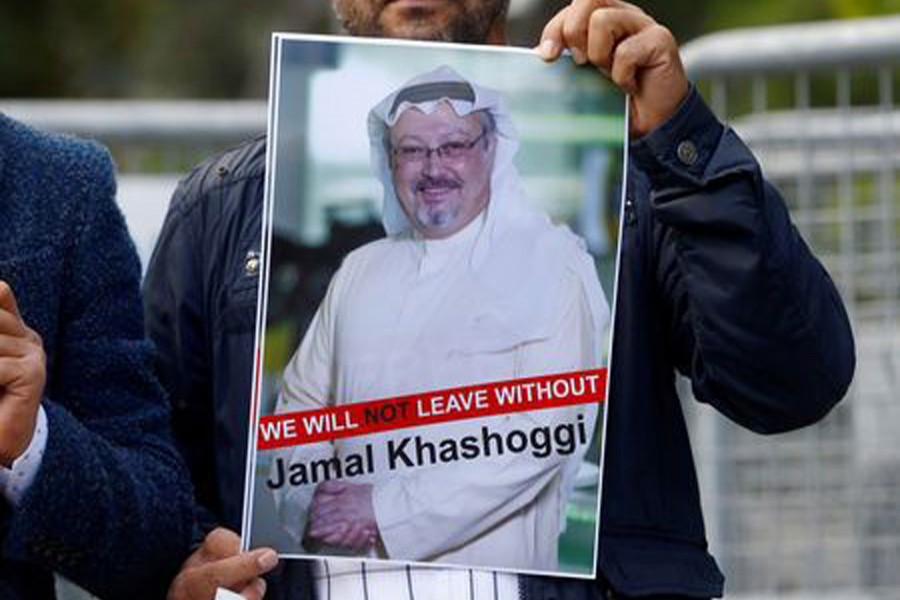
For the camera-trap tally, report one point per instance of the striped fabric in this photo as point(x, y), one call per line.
point(356, 580)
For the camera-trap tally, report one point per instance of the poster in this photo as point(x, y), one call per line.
point(433, 336)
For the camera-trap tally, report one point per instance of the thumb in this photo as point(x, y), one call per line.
point(8, 299)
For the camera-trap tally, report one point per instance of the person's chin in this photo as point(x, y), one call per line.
point(437, 226)
point(436, 223)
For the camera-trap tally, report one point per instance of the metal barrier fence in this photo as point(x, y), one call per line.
point(817, 511)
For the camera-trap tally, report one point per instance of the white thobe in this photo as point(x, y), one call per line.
point(405, 315)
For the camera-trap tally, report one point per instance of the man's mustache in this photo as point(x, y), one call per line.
point(432, 183)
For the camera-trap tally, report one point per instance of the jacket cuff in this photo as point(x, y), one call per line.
point(678, 152)
point(16, 480)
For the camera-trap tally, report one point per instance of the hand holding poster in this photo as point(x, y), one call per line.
point(442, 404)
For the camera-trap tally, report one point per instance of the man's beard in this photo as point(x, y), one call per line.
point(363, 18)
point(441, 216)
point(438, 218)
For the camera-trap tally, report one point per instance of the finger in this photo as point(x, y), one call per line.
point(11, 323)
point(346, 538)
point(326, 529)
point(324, 504)
point(33, 336)
point(325, 511)
point(231, 573)
point(575, 28)
point(364, 539)
point(16, 369)
point(319, 525)
point(15, 346)
point(356, 537)
point(327, 496)
point(255, 590)
point(551, 43)
point(609, 28)
point(221, 543)
point(331, 487)
point(8, 299)
point(328, 500)
point(638, 51)
point(371, 540)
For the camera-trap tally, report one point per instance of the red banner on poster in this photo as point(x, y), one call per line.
point(428, 408)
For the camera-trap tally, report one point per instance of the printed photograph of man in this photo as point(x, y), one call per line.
point(472, 284)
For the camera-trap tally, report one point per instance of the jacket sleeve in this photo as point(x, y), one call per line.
point(177, 324)
point(756, 322)
point(110, 507)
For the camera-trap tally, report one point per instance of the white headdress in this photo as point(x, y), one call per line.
point(425, 93)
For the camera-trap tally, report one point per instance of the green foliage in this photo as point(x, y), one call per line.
point(158, 48)
point(54, 47)
point(726, 15)
point(849, 9)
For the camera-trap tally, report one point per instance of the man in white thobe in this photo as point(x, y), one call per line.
point(471, 285)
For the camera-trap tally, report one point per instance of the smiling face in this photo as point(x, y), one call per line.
point(466, 21)
point(440, 195)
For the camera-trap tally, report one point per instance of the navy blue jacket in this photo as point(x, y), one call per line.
point(715, 283)
point(110, 507)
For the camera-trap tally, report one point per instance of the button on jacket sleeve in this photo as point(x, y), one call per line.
point(756, 322)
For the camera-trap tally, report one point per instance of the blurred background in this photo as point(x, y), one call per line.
point(219, 48)
point(811, 85)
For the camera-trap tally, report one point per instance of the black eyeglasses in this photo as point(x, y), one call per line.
point(449, 151)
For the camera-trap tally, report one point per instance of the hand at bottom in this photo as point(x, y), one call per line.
point(218, 562)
